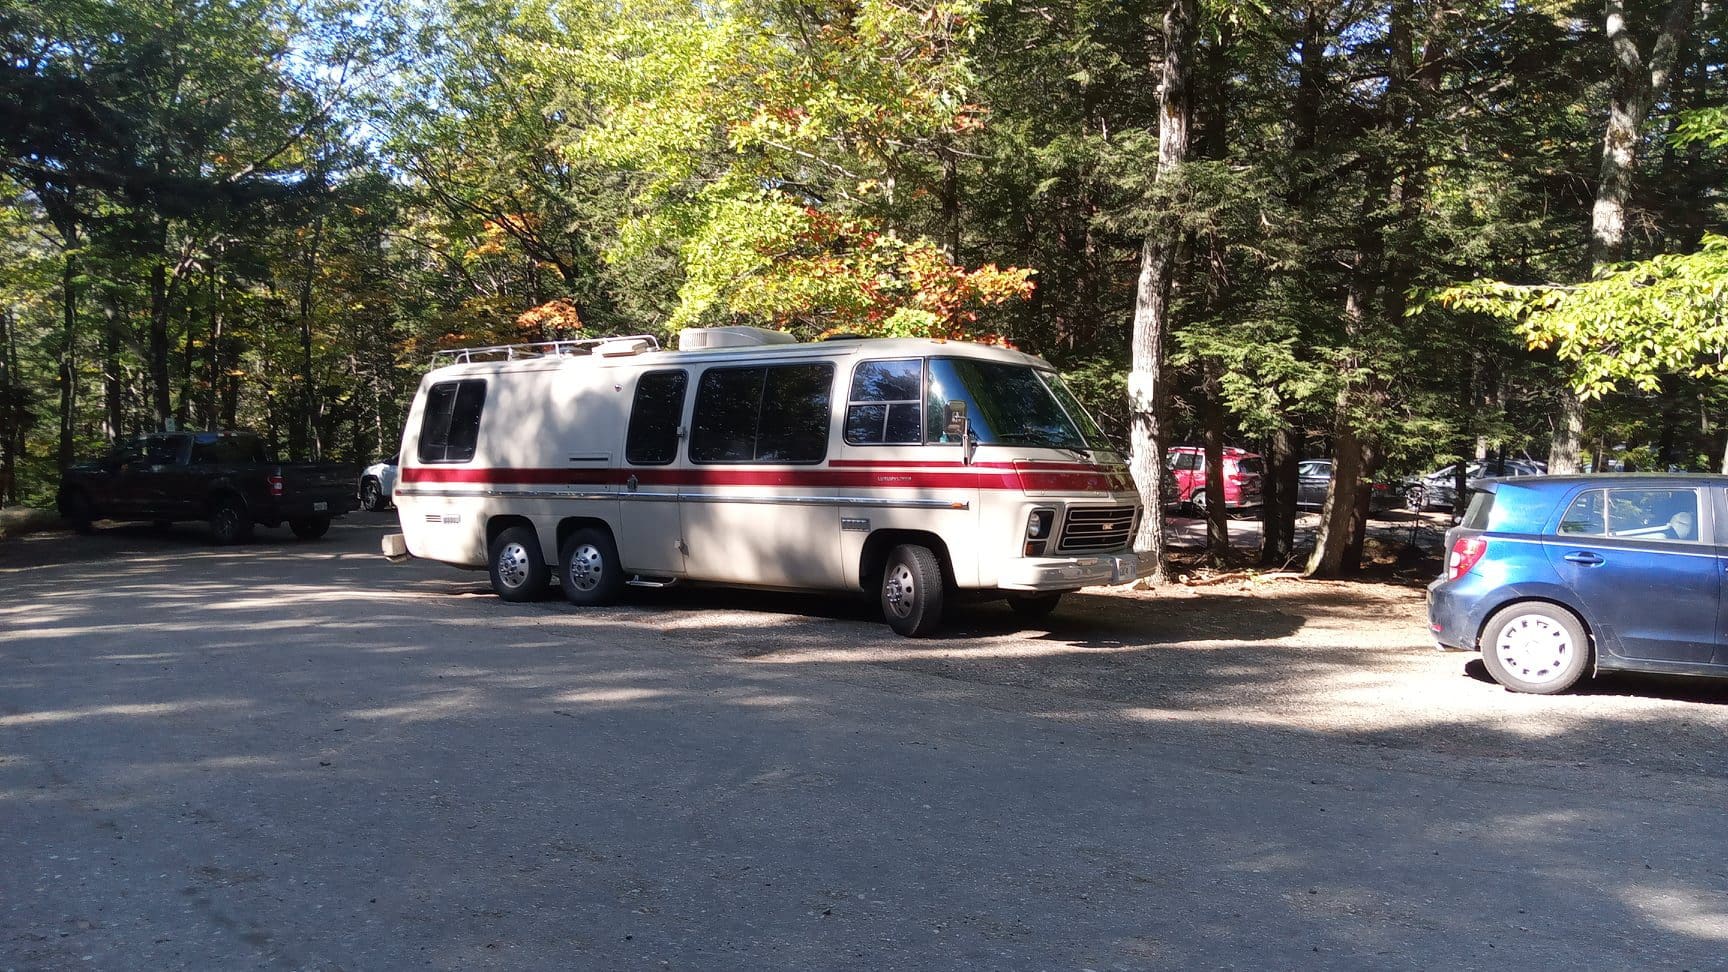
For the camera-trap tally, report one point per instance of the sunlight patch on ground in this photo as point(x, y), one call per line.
point(50, 716)
point(611, 696)
point(1682, 911)
point(442, 706)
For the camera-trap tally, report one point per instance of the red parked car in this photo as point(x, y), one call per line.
point(1242, 472)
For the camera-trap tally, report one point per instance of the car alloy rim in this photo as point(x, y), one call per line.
point(899, 590)
point(585, 567)
point(513, 565)
point(1534, 648)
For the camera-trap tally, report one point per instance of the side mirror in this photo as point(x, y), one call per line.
point(960, 427)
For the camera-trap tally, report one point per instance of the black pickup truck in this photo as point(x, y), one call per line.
point(223, 478)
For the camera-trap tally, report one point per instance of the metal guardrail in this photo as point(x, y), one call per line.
point(538, 349)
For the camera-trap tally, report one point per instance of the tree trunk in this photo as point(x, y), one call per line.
point(1638, 83)
point(1217, 517)
point(68, 378)
point(159, 390)
point(309, 417)
point(1278, 512)
point(1146, 390)
point(113, 391)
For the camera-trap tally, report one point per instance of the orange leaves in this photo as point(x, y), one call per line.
point(553, 319)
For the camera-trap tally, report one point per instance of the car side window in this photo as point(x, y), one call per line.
point(886, 403)
point(652, 439)
point(1584, 516)
point(1654, 514)
point(774, 413)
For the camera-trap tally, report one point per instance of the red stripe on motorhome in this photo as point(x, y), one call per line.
point(998, 477)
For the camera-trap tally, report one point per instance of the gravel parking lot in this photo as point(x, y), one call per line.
point(291, 755)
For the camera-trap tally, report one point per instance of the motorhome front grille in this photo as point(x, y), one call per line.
point(1097, 528)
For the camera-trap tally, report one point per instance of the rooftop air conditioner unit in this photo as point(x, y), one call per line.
point(707, 338)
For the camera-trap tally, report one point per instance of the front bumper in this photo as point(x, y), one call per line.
point(1072, 573)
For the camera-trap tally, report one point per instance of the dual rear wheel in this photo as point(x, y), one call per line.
point(588, 569)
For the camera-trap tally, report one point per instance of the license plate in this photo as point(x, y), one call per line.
point(320, 507)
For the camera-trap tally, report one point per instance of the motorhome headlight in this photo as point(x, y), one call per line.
point(1038, 524)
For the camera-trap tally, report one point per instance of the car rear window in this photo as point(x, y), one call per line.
point(1481, 507)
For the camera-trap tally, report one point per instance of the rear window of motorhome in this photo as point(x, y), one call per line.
point(763, 414)
point(653, 436)
point(450, 424)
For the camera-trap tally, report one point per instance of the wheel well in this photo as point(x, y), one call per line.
point(498, 524)
point(1589, 635)
point(217, 498)
point(882, 542)
point(570, 525)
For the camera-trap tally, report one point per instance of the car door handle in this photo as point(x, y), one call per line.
point(1586, 559)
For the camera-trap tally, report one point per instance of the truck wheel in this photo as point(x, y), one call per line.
point(1535, 647)
point(519, 571)
point(1033, 606)
point(77, 511)
point(229, 521)
point(311, 527)
point(912, 593)
point(588, 569)
point(371, 497)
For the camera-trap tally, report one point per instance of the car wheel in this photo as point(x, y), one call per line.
point(588, 569)
point(311, 527)
point(1416, 498)
point(912, 591)
point(517, 569)
point(229, 522)
point(1535, 647)
point(1033, 606)
point(1197, 501)
point(371, 497)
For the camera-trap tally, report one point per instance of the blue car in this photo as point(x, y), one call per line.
point(1556, 577)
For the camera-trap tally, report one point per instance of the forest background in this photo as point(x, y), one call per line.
point(1392, 233)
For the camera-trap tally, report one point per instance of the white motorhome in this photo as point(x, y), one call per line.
point(919, 470)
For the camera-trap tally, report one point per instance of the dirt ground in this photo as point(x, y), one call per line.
point(1329, 660)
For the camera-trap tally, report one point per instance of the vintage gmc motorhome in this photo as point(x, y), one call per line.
point(918, 470)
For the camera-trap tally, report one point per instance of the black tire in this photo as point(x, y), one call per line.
point(1197, 501)
point(517, 566)
point(311, 527)
point(588, 569)
point(1536, 647)
point(912, 591)
point(1416, 498)
point(371, 496)
point(1034, 606)
point(229, 521)
point(79, 511)
point(161, 524)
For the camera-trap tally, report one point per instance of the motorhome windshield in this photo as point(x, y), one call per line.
point(1008, 404)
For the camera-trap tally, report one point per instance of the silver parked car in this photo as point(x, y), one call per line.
point(1439, 489)
point(377, 483)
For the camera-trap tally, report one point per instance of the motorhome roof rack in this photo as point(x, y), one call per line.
point(541, 349)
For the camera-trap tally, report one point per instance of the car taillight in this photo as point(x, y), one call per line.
point(276, 485)
point(1466, 551)
point(1381, 487)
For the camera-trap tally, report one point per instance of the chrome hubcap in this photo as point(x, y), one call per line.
point(1534, 648)
point(898, 590)
point(583, 573)
point(513, 565)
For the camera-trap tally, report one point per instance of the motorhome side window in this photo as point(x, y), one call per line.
point(887, 403)
point(777, 413)
point(450, 424)
point(653, 436)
